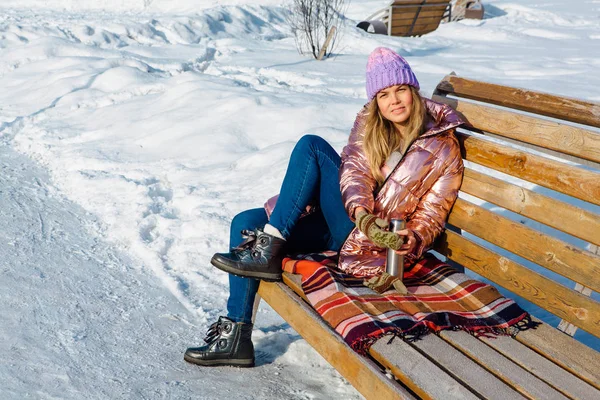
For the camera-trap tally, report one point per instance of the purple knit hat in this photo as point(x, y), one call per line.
point(386, 68)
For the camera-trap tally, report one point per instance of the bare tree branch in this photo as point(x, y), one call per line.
point(310, 22)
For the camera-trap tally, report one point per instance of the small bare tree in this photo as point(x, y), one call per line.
point(311, 21)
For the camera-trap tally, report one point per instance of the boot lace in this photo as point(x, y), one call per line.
point(249, 240)
point(214, 331)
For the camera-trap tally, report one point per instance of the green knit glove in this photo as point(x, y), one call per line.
point(383, 283)
point(375, 229)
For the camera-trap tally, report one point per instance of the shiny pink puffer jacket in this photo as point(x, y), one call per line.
point(421, 189)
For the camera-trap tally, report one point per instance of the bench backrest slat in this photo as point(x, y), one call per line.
point(531, 138)
point(410, 14)
point(404, 3)
point(559, 215)
point(573, 110)
point(415, 17)
point(555, 175)
point(561, 301)
point(548, 134)
point(551, 253)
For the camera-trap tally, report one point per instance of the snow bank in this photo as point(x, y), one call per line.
point(176, 6)
point(165, 125)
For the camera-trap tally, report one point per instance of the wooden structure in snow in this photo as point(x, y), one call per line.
point(547, 149)
point(407, 17)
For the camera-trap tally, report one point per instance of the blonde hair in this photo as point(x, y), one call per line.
point(382, 138)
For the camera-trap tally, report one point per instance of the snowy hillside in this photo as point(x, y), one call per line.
point(132, 131)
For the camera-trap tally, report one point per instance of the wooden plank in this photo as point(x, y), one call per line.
point(563, 350)
point(552, 135)
point(403, 3)
point(423, 29)
point(463, 369)
point(561, 380)
point(403, 14)
point(294, 282)
point(428, 21)
point(561, 301)
point(565, 108)
point(444, 356)
point(359, 371)
point(555, 175)
point(416, 371)
point(557, 214)
point(327, 41)
point(403, 18)
point(566, 326)
point(554, 254)
point(518, 378)
point(404, 31)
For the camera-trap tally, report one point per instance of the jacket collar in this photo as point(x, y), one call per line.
point(441, 118)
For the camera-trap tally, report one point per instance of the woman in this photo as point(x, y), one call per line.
point(402, 161)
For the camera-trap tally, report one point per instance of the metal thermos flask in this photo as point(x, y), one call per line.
point(395, 263)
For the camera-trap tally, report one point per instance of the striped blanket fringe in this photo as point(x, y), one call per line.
point(439, 298)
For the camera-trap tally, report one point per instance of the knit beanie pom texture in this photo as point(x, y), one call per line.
point(387, 68)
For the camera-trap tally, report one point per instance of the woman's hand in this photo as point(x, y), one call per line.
point(410, 242)
point(376, 230)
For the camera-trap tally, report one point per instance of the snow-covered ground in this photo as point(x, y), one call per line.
point(150, 125)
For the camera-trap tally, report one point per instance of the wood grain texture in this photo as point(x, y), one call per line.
point(416, 371)
point(403, 14)
point(551, 135)
point(563, 350)
point(566, 326)
point(464, 370)
point(561, 380)
point(568, 109)
point(426, 3)
point(557, 299)
point(554, 254)
point(359, 371)
point(555, 175)
point(520, 379)
point(557, 214)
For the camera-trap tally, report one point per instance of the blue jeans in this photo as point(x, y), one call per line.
point(311, 178)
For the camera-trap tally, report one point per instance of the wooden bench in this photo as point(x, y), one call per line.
point(407, 17)
point(532, 167)
point(465, 9)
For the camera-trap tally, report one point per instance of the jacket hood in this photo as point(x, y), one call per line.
point(442, 118)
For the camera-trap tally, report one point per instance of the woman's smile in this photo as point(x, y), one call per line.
point(395, 103)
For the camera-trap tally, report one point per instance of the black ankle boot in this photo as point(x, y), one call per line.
point(259, 256)
point(227, 343)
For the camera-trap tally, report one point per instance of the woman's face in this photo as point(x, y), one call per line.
point(395, 103)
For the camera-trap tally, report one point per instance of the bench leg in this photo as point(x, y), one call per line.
point(255, 307)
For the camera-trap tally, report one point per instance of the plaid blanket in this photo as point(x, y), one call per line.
point(439, 297)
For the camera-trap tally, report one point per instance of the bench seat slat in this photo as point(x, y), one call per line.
point(555, 175)
point(557, 214)
point(546, 370)
point(563, 350)
point(568, 109)
point(552, 135)
point(519, 378)
point(554, 254)
point(422, 376)
point(563, 302)
point(362, 373)
point(464, 369)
